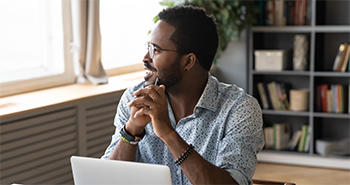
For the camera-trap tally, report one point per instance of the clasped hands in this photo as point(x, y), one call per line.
point(150, 104)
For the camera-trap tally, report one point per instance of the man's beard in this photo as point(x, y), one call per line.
point(172, 75)
point(168, 77)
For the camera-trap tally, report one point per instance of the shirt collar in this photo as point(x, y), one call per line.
point(209, 99)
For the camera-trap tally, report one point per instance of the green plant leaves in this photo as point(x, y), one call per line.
point(167, 3)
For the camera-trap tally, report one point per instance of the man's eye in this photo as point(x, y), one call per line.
point(156, 50)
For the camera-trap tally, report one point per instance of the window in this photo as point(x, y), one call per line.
point(32, 49)
point(124, 31)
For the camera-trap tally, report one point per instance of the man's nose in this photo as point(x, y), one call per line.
point(147, 58)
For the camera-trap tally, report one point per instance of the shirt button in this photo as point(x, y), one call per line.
point(178, 172)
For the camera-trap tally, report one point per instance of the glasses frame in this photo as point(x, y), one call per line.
point(151, 46)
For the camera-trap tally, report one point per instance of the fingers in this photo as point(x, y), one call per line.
point(153, 91)
point(141, 112)
point(147, 99)
point(141, 101)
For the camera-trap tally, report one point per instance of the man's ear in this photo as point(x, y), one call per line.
point(190, 61)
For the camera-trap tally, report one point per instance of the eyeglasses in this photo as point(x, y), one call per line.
point(153, 49)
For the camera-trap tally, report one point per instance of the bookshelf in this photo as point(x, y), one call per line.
point(327, 26)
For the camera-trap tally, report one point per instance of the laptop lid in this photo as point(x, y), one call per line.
point(98, 171)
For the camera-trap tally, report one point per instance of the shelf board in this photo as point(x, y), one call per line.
point(331, 74)
point(288, 73)
point(296, 29)
point(282, 29)
point(331, 115)
point(285, 152)
point(335, 28)
point(296, 158)
point(285, 113)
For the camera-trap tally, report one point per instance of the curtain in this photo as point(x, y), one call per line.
point(86, 45)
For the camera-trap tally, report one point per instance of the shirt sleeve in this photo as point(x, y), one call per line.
point(242, 141)
point(121, 117)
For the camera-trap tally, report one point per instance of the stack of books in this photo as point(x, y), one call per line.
point(331, 98)
point(278, 137)
point(274, 95)
point(283, 12)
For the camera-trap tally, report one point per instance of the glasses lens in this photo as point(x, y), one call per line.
point(150, 48)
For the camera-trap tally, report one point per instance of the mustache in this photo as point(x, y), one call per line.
point(149, 67)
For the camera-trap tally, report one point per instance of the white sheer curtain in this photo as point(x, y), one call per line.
point(87, 41)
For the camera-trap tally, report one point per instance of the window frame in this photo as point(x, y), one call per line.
point(124, 69)
point(67, 77)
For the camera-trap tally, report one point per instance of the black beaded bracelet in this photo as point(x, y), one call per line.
point(184, 156)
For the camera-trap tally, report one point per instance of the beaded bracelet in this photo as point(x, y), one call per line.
point(184, 155)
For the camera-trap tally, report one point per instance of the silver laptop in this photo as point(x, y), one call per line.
point(98, 171)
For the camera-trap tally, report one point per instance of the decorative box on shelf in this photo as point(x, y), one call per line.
point(271, 60)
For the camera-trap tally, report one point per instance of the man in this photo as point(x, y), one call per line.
point(207, 132)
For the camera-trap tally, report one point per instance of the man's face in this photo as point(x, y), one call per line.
point(165, 64)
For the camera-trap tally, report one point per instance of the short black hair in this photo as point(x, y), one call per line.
point(195, 32)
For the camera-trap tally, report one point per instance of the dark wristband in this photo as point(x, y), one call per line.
point(129, 138)
point(184, 156)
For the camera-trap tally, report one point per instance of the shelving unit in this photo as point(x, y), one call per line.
point(329, 26)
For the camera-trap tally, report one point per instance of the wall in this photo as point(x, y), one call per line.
point(232, 67)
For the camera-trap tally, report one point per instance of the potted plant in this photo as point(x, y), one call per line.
point(232, 17)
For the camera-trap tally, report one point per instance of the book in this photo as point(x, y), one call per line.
point(340, 99)
point(319, 99)
point(280, 96)
point(273, 95)
point(307, 142)
point(281, 135)
point(342, 59)
point(300, 12)
point(338, 59)
point(268, 96)
point(334, 98)
point(294, 141)
point(268, 135)
point(324, 89)
point(262, 95)
point(303, 139)
point(283, 90)
point(329, 101)
point(290, 6)
point(302, 135)
point(262, 12)
point(279, 13)
point(346, 59)
point(270, 11)
point(302, 16)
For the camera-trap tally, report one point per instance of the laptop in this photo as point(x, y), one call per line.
point(98, 171)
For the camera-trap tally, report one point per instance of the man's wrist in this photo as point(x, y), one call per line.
point(134, 130)
point(170, 137)
point(129, 138)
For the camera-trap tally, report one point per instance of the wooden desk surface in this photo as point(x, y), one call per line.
point(302, 175)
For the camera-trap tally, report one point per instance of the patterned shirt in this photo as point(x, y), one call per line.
point(225, 129)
